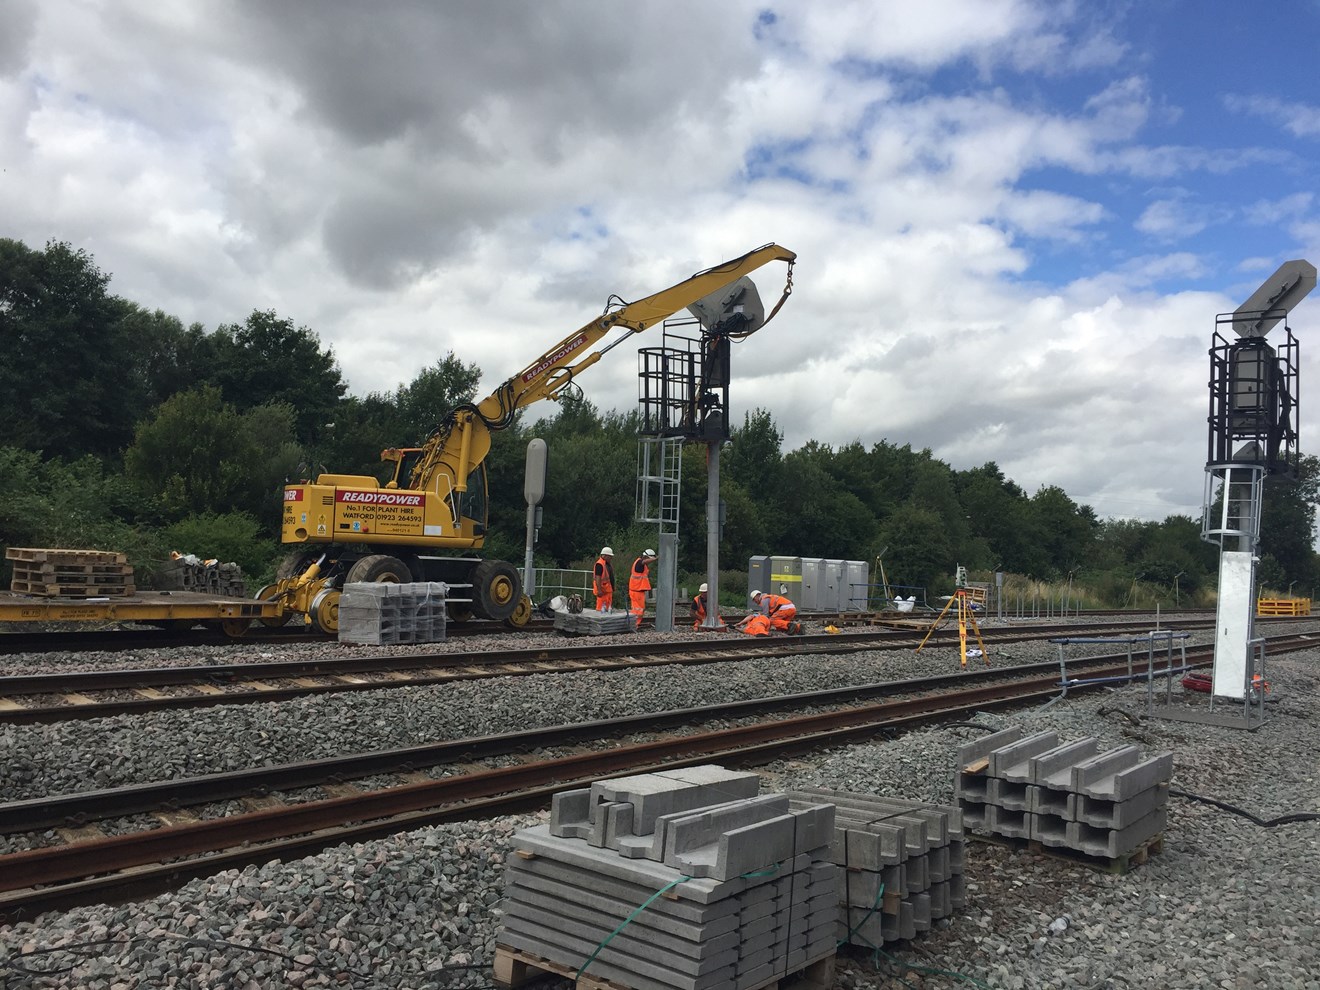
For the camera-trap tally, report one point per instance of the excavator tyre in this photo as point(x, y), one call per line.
point(378, 568)
point(496, 589)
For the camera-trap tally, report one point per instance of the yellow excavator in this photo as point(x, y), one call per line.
point(352, 528)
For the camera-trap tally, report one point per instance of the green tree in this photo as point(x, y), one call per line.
point(436, 390)
point(266, 360)
point(753, 457)
point(198, 454)
point(69, 370)
point(1287, 524)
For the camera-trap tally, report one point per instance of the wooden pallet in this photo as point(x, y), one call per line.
point(1103, 864)
point(52, 570)
point(44, 555)
point(514, 967)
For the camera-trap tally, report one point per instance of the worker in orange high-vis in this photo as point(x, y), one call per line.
point(639, 583)
point(781, 612)
point(602, 580)
point(699, 608)
point(755, 624)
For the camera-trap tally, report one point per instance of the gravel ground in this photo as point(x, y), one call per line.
point(1226, 904)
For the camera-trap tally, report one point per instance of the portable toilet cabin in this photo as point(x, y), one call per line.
point(815, 581)
point(855, 592)
point(781, 575)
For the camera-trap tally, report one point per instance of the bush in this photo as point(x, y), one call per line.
point(232, 537)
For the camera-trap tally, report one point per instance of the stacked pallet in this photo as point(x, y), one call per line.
point(902, 863)
point(380, 613)
point(589, 622)
point(187, 572)
point(1068, 797)
point(685, 879)
point(69, 573)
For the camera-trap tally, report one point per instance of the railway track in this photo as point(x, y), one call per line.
point(119, 639)
point(43, 698)
point(143, 862)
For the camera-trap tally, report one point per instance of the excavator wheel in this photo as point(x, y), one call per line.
point(274, 621)
point(522, 614)
point(496, 589)
point(325, 612)
point(379, 568)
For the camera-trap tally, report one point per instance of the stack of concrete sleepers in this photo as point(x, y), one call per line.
point(589, 622)
point(684, 879)
point(902, 863)
point(378, 613)
point(1071, 797)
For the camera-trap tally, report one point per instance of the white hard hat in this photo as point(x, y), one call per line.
point(648, 552)
point(607, 551)
point(756, 594)
point(703, 588)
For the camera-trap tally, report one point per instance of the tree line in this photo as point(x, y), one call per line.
point(123, 429)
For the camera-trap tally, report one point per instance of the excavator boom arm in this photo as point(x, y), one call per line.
point(462, 440)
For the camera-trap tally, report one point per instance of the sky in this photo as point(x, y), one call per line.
point(1015, 220)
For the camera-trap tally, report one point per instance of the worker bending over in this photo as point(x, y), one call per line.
point(602, 580)
point(639, 583)
point(699, 606)
point(781, 612)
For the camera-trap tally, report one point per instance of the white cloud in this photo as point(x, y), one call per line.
point(417, 178)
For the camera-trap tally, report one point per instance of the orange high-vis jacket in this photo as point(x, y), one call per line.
point(775, 603)
point(602, 581)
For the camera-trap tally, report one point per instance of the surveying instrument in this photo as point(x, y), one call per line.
point(966, 617)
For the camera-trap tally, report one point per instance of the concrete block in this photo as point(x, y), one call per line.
point(916, 829)
point(869, 849)
point(1002, 821)
point(941, 900)
point(1113, 843)
point(630, 953)
point(957, 857)
point(576, 881)
point(1050, 830)
point(917, 874)
point(973, 812)
point(1100, 813)
point(1103, 765)
point(762, 909)
point(576, 852)
point(1009, 794)
point(1130, 781)
point(547, 894)
point(813, 827)
point(571, 810)
point(594, 924)
point(978, 749)
point(942, 822)
point(864, 888)
point(921, 911)
point(1013, 762)
point(1051, 801)
point(958, 891)
point(1054, 767)
point(730, 853)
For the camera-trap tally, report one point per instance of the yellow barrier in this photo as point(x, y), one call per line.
point(1283, 606)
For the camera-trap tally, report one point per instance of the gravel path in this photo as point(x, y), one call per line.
point(1226, 904)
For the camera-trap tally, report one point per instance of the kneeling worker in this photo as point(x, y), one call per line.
point(699, 607)
point(781, 612)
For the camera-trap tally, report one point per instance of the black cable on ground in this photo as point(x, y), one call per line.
point(1296, 816)
point(973, 725)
